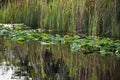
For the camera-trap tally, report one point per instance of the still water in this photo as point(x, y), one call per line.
point(36, 61)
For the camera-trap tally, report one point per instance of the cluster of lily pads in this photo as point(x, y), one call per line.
point(104, 46)
point(88, 45)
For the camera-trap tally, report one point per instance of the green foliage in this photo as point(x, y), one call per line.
point(83, 16)
point(118, 52)
point(58, 38)
point(54, 15)
point(89, 45)
point(104, 46)
point(17, 28)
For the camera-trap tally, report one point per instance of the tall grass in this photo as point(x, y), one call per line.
point(57, 15)
point(101, 18)
point(92, 17)
point(27, 12)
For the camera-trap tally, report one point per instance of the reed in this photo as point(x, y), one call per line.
point(91, 17)
point(101, 18)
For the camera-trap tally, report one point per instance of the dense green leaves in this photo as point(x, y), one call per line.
point(104, 46)
point(89, 45)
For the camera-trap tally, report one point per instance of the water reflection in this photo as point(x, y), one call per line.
point(57, 62)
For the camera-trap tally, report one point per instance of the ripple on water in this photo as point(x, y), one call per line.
point(7, 72)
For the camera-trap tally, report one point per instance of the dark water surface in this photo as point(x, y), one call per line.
point(57, 62)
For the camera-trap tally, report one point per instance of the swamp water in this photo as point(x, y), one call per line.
point(35, 61)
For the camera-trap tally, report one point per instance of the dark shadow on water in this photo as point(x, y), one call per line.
point(57, 62)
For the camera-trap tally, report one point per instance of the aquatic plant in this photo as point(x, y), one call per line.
point(41, 63)
point(87, 45)
point(68, 57)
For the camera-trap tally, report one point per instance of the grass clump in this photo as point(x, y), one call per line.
point(90, 17)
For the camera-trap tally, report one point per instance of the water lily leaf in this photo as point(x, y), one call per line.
point(76, 37)
point(21, 39)
point(17, 28)
point(103, 52)
point(117, 52)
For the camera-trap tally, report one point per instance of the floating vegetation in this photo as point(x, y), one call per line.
point(104, 46)
point(66, 40)
point(88, 45)
point(56, 61)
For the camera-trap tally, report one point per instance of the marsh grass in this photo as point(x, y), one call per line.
point(91, 17)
